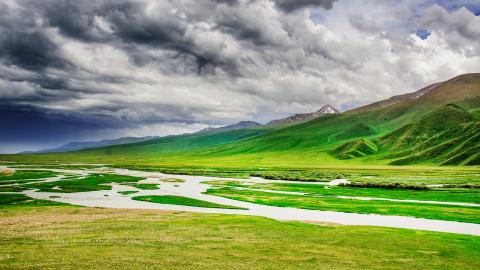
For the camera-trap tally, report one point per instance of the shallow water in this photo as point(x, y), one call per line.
point(193, 188)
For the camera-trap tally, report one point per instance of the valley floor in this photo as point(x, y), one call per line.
point(39, 209)
point(85, 238)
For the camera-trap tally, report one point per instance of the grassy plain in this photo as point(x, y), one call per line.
point(143, 186)
point(179, 200)
point(80, 238)
point(7, 201)
point(92, 182)
point(431, 211)
point(9, 175)
point(33, 231)
point(464, 195)
point(127, 192)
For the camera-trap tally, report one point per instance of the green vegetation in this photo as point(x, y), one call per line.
point(128, 192)
point(18, 200)
point(58, 166)
point(432, 211)
point(357, 130)
point(465, 195)
point(24, 174)
point(143, 186)
point(19, 182)
point(178, 200)
point(12, 188)
point(171, 180)
point(132, 239)
point(91, 182)
point(299, 175)
point(11, 181)
point(448, 135)
point(357, 148)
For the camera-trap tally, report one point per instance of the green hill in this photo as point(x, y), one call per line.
point(357, 148)
point(439, 136)
point(436, 125)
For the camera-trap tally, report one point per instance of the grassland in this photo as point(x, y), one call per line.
point(143, 186)
point(421, 175)
point(172, 180)
point(24, 175)
point(127, 192)
point(179, 200)
point(33, 231)
point(465, 195)
point(92, 182)
point(7, 201)
point(80, 238)
point(431, 211)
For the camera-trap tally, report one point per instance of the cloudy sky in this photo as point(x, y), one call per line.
point(84, 69)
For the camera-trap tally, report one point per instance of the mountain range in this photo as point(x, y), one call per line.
point(294, 119)
point(436, 125)
point(305, 117)
point(239, 125)
point(75, 146)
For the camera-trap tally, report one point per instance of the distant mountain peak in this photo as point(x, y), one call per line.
point(305, 117)
point(327, 109)
point(239, 125)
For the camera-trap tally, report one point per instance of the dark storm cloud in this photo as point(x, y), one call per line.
point(292, 5)
point(289, 5)
point(32, 51)
point(73, 18)
point(20, 123)
point(129, 26)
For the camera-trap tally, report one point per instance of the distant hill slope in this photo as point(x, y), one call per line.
point(75, 146)
point(449, 135)
point(394, 100)
point(304, 117)
point(239, 125)
point(181, 143)
point(356, 148)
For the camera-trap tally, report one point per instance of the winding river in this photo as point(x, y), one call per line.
point(193, 187)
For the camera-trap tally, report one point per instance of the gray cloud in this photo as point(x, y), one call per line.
point(31, 51)
point(460, 28)
point(363, 24)
point(292, 5)
point(178, 65)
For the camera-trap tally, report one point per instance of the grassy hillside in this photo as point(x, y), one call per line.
point(435, 125)
point(449, 135)
point(357, 148)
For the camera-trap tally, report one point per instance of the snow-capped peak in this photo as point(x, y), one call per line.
point(327, 109)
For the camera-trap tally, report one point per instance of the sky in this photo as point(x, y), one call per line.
point(88, 70)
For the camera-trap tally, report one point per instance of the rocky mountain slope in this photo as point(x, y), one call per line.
point(239, 125)
point(304, 117)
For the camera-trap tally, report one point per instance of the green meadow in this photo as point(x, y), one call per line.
point(421, 210)
point(33, 234)
point(465, 195)
point(91, 182)
point(179, 200)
